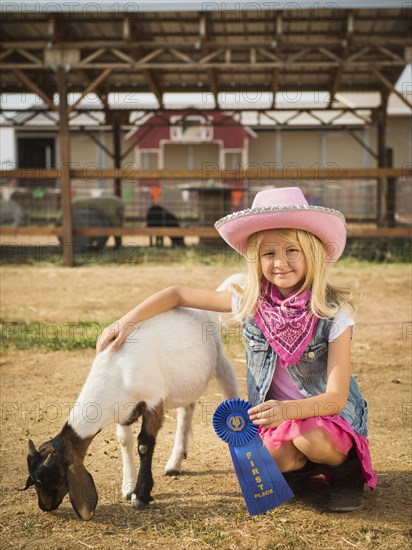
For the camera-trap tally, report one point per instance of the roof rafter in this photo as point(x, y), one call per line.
point(33, 87)
point(273, 51)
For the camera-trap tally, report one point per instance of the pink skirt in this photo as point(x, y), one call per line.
point(340, 431)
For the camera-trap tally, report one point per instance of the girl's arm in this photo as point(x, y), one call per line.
point(272, 413)
point(159, 302)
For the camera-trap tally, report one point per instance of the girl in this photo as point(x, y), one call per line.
point(297, 332)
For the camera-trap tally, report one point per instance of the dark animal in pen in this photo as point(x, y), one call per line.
point(157, 216)
point(122, 386)
point(107, 211)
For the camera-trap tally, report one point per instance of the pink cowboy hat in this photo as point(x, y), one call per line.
point(285, 208)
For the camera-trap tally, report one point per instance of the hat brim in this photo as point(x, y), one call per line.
point(327, 224)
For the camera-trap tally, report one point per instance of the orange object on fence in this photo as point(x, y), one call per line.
point(155, 192)
point(237, 196)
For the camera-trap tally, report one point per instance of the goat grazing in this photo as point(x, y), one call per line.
point(165, 363)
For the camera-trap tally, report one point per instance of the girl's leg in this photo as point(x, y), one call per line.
point(318, 447)
point(287, 457)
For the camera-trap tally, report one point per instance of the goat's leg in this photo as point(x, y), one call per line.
point(182, 437)
point(125, 438)
point(146, 440)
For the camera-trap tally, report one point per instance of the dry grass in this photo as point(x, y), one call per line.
point(203, 508)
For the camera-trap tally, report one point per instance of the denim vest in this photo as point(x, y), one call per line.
point(309, 374)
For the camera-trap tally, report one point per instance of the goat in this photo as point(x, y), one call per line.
point(157, 216)
point(165, 363)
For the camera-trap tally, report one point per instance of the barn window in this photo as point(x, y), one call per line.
point(190, 128)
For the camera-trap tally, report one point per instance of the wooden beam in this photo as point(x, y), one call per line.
point(277, 41)
point(152, 55)
point(264, 110)
point(117, 156)
point(123, 56)
point(358, 139)
point(181, 55)
point(91, 135)
point(330, 55)
point(391, 192)
point(391, 54)
point(390, 86)
point(296, 65)
point(214, 85)
point(44, 230)
point(208, 56)
point(149, 231)
point(152, 81)
point(382, 182)
point(136, 142)
point(31, 57)
point(64, 147)
point(153, 85)
point(298, 55)
point(237, 41)
point(5, 54)
point(346, 41)
point(353, 231)
point(102, 76)
point(127, 29)
point(92, 56)
point(379, 232)
point(35, 89)
point(101, 95)
point(212, 170)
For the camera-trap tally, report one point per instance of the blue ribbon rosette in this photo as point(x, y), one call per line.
point(263, 486)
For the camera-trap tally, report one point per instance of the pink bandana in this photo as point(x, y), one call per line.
point(289, 329)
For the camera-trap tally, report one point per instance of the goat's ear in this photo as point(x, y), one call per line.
point(82, 490)
point(32, 449)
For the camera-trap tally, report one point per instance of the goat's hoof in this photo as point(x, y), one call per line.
point(138, 504)
point(173, 472)
point(128, 489)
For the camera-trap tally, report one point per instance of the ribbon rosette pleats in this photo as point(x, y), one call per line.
point(263, 486)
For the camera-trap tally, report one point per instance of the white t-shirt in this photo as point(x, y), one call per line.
point(339, 324)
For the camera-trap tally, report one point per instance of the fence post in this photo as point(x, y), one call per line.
point(391, 196)
point(64, 148)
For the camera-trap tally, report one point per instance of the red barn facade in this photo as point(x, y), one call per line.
point(192, 140)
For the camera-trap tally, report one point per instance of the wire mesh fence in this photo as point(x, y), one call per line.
point(193, 204)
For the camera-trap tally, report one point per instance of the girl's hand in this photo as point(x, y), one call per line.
point(268, 414)
point(115, 333)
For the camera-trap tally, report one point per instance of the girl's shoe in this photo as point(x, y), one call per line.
point(346, 491)
point(298, 478)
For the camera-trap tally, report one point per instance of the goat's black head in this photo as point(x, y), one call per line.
point(47, 474)
point(55, 470)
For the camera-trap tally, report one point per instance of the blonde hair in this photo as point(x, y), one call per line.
point(326, 298)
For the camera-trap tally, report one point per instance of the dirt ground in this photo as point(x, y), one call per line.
point(203, 508)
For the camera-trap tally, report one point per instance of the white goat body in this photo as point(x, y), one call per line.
point(165, 363)
point(170, 358)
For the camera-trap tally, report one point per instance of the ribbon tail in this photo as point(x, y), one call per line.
point(262, 484)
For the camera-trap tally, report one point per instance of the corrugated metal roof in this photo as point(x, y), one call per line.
point(143, 6)
point(214, 51)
